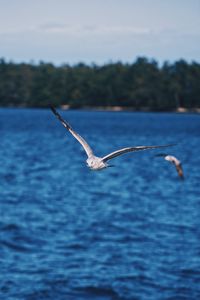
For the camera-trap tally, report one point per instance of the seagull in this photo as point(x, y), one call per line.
point(174, 161)
point(95, 162)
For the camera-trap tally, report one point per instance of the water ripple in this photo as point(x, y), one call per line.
point(130, 232)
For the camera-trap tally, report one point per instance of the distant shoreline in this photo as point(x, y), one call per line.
point(130, 109)
point(140, 86)
point(180, 110)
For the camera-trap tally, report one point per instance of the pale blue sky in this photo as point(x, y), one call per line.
point(99, 31)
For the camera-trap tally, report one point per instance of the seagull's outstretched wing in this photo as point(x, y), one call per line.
point(86, 147)
point(179, 170)
point(131, 149)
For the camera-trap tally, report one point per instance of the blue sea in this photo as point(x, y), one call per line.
point(127, 232)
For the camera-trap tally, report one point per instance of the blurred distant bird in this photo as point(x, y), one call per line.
point(94, 162)
point(174, 161)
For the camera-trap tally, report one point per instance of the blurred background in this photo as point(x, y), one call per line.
point(125, 73)
point(135, 54)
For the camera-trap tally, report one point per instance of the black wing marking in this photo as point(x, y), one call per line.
point(84, 144)
point(131, 149)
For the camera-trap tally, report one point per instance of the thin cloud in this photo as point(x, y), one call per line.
point(55, 28)
point(92, 29)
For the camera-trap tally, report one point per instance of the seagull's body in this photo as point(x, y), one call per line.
point(174, 161)
point(95, 162)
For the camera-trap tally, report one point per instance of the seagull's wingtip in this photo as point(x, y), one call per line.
point(52, 108)
point(54, 111)
point(171, 145)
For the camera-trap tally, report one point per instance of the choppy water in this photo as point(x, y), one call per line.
point(128, 232)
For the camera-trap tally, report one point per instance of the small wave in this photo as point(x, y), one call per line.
point(14, 246)
point(99, 292)
point(9, 227)
point(9, 177)
point(77, 246)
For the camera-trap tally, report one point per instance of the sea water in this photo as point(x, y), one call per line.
point(128, 232)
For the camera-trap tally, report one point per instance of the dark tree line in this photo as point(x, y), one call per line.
point(140, 85)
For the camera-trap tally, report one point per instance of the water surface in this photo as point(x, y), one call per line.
point(128, 232)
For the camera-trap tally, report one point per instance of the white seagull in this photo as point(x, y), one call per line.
point(99, 163)
point(174, 161)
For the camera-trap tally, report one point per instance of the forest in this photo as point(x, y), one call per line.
point(141, 85)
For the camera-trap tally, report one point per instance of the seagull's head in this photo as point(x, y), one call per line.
point(168, 158)
point(90, 163)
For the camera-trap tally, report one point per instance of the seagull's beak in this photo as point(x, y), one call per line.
point(160, 155)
